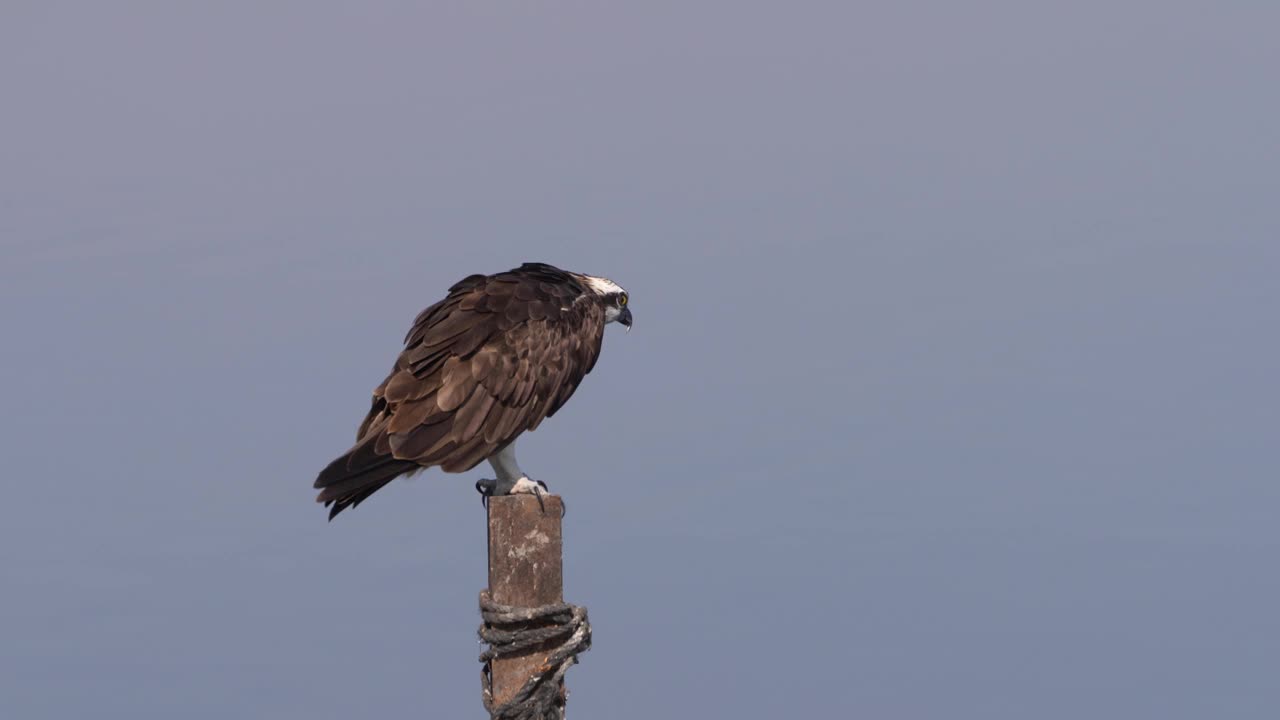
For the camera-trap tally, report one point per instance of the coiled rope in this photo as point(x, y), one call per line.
point(511, 630)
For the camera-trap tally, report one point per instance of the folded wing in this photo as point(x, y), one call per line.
point(498, 355)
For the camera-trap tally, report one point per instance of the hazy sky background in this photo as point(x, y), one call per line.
point(952, 390)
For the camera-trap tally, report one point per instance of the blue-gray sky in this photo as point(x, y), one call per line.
point(951, 393)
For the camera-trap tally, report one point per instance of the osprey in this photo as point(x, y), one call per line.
point(490, 361)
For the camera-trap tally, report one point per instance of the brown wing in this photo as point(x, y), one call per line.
point(491, 360)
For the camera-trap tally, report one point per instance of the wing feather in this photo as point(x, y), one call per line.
point(470, 418)
point(417, 442)
point(412, 414)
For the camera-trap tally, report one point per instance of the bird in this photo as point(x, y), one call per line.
point(489, 362)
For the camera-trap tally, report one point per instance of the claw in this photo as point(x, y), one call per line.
point(547, 491)
point(487, 488)
point(538, 492)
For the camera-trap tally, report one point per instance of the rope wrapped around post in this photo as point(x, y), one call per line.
point(510, 630)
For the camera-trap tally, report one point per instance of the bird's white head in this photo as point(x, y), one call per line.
point(612, 296)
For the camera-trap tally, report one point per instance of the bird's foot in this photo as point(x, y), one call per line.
point(487, 487)
point(536, 488)
point(528, 486)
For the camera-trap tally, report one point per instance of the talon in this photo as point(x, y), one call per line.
point(487, 488)
point(538, 492)
point(539, 489)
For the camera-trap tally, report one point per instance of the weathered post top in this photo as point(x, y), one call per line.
point(526, 570)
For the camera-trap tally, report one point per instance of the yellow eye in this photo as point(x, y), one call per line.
point(622, 300)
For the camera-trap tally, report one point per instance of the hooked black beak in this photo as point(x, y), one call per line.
point(625, 318)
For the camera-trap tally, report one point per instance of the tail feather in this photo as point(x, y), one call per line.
point(348, 480)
